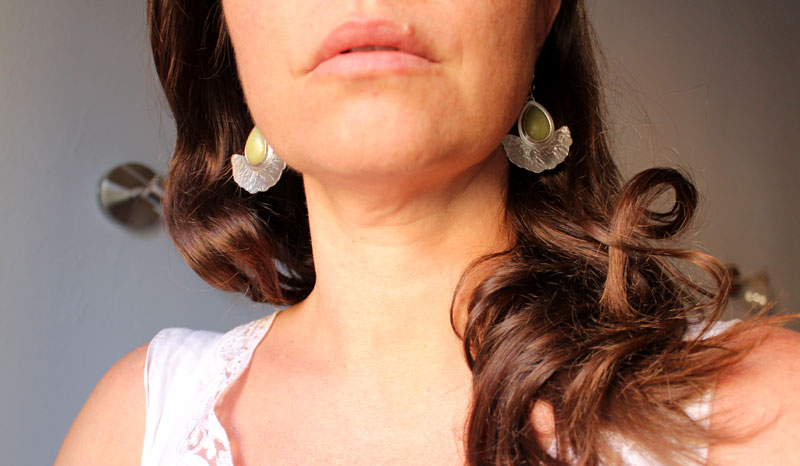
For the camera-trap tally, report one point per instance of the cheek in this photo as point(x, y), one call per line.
point(261, 34)
point(498, 59)
point(270, 50)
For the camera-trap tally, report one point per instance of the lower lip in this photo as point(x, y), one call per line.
point(365, 64)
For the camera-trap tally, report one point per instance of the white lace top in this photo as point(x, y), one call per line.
point(187, 371)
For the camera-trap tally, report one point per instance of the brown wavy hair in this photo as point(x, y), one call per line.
point(587, 312)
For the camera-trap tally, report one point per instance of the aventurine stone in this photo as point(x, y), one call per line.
point(536, 124)
point(256, 147)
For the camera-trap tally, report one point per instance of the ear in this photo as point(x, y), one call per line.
point(545, 15)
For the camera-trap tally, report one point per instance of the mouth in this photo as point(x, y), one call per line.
point(369, 46)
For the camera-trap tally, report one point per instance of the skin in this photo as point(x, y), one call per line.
point(367, 369)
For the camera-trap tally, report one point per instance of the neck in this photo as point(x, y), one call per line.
point(388, 258)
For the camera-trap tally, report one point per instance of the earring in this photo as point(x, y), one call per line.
point(538, 147)
point(260, 167)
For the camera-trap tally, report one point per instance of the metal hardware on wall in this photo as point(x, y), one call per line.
point(755, 288)
point(130, 194)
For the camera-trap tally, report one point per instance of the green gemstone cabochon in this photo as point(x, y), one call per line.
point(255, 150)
point(536, 124)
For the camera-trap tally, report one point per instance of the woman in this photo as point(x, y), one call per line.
point(457, 292)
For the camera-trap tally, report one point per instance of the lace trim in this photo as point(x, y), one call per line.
point(207, 442)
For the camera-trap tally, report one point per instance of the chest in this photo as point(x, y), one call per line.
point(291, 420)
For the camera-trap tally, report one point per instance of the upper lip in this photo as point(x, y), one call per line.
point(363, 33)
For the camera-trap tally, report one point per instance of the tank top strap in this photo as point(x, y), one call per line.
point(699, 411)
point(186, 373)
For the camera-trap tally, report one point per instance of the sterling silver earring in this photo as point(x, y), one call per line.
point(260, 167)
point(538, 147)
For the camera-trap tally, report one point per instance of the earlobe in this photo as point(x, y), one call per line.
point(546, 13)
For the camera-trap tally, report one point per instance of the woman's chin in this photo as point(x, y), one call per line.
point(374, 159)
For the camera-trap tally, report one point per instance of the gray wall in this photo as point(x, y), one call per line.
point(78, 98)
point(78, 292)
point(718, 80)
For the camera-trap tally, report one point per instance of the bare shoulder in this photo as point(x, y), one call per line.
point(758, 399)
point(109, 429)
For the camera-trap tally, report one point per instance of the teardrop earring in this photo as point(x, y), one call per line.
point(538, 147)
point(260, 167)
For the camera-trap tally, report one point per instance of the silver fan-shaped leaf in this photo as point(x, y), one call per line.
point(257, 178)
point(540, 156)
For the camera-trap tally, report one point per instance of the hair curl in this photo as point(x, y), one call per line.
point(586, 312)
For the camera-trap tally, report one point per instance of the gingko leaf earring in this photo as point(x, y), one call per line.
point(538, 147)
point(259, 168)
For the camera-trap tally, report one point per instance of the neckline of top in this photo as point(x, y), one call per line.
point(207, 437)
